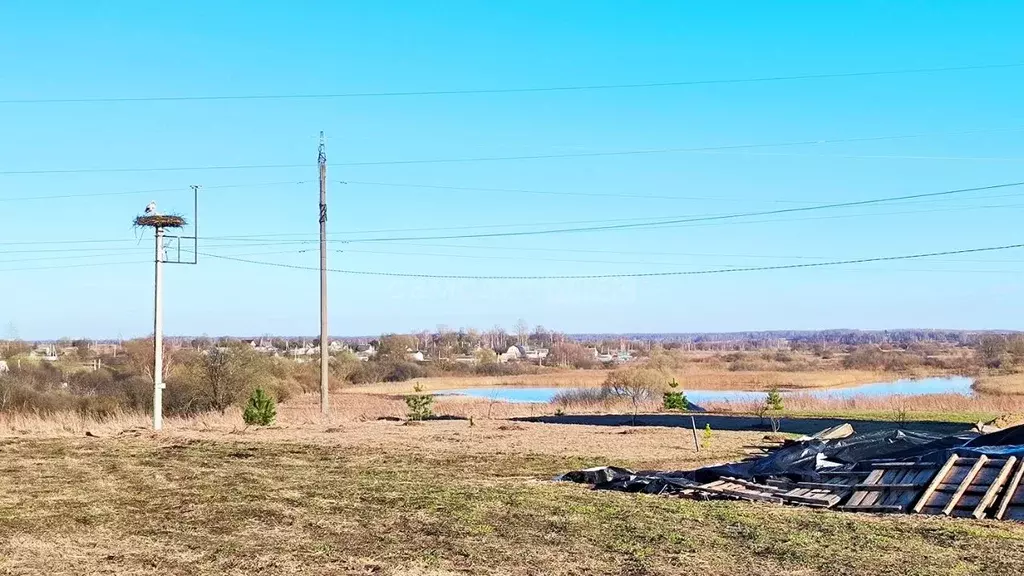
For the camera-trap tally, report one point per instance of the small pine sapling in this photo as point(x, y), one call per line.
point(773, 407)
point(673, 400)
point(419, 404)
point(260, 410)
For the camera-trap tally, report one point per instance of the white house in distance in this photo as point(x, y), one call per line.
point(520, 352)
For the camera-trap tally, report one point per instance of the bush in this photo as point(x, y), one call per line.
point(260, 410)
point(580, 398)
point(636, 384)
point(419, 404)
point(400, 371)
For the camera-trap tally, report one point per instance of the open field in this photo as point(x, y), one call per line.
point(443, 497)
point(354, 495)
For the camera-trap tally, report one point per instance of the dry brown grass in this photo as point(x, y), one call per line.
point(376, 497)
point(939, 407)
point(692, 377)
point(1001, 385)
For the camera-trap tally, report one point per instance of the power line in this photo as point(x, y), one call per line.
point(648, 222)
point(127, 252)
point(521, 90)
point(552, 156)
point(258, 240)
point(631, 262)
point(689, 220)
point(631, 275)
point(63, 266)
point(641, 152)
point(519, 258)
point(559, 193)
point(254, 240)
point(151, 191)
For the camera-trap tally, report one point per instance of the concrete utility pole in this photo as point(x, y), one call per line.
point(324, 356)
point(158, 333)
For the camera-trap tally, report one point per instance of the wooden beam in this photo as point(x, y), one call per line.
point(971, 475)
point(895, 486)
point(1011, 490)
point(939, 477)
point(874, 508)
point(993, 489)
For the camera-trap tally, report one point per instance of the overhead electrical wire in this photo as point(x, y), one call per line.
point(551, 156)
point(562, 193)
point(690, 220)
point(151, 191)
point(272, 239)
point(514, 90)
point(87, 265)
point(801, 265)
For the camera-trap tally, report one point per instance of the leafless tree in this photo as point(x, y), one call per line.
point(522, 331)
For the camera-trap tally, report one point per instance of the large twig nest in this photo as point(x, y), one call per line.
point(160, 221)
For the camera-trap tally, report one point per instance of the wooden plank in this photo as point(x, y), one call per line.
point(922, 479)
point(858, 497)
point(754, 485)
point(1011, 490)
point(874, 508)
point(902, 465)
point(955, 499)
point(735, 491)
point(935, 483)
point(843, 472)
point(895, 486)
point(894, 496)
point(824, 485)
point(993, 489)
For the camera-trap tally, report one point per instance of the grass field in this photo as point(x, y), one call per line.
point(356, 496)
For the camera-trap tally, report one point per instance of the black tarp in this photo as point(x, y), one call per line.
point(801, 461)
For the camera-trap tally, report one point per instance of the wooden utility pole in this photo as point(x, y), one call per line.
point(324, 355)
point(158, 333)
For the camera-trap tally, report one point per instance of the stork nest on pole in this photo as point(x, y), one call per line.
point(160, 221)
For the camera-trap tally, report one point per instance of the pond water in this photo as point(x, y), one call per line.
point(951, 385)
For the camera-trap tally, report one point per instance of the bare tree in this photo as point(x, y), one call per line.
point(636, 384)
point(522, 330)
point(222, 378)
point(140, 356)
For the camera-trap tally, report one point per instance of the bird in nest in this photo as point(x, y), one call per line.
point(151, 209)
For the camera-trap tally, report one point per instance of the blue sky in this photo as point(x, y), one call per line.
point(54, 50)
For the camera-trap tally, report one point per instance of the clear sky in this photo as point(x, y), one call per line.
point(73, 50)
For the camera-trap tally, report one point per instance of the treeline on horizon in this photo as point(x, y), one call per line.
point(222, 374)
point(765, 338)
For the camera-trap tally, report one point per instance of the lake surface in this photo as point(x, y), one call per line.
point(951, 385)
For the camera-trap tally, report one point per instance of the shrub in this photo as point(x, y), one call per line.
point(400, 371)
point(419, 404)
point(260, 410)
point(580, 398)
point(636, 384)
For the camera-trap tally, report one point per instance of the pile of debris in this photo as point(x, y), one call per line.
point(894, 471)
